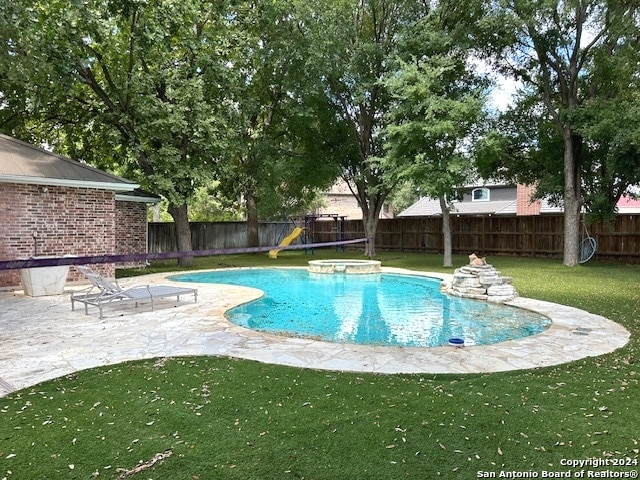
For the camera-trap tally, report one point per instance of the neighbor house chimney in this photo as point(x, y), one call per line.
point(525, 205)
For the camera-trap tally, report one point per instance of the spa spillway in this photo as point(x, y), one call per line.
point(344, 266)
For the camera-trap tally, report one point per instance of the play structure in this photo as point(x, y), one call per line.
point(286, 241)
point(304, 229)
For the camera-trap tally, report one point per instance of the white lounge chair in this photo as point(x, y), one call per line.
point(103, 292)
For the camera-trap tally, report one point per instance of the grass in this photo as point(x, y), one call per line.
point(221, 418)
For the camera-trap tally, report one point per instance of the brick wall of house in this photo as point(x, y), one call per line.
point(131, 230)
point(339, 200)
point(524, 204)
point(347, 206)
point(53, 220)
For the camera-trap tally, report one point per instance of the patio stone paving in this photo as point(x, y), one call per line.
point(41, 338)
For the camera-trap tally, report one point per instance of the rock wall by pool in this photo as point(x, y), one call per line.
point(481, 281)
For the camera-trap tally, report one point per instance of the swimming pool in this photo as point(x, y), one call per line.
point(369, 309)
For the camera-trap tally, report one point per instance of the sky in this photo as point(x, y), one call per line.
point(503, 93)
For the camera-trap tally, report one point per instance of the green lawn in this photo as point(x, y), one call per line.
point(220, 418)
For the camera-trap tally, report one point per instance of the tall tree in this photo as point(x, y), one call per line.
point(555, 43)
point(522, 146)
point(437, 106)
point(436, 110)
point(611, 131)
point(609, 119)
point(277, 158)
point(137, 84)
point(355, 42)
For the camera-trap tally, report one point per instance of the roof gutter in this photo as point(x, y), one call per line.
point(123, 197)
point(61, 182)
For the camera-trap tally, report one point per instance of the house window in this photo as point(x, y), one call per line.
point(480, 195)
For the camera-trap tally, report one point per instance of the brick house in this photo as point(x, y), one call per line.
point(486, 199)
point(501, 199)
point(339, 200)
point(52, 205)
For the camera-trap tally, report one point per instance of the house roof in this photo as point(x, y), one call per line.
point(138, 195)
point(547, 207)
point(426, 207)
point(429, 207)
point(628, 205)
point(21, 162)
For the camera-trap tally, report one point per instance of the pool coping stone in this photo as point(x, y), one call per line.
point(43, 339)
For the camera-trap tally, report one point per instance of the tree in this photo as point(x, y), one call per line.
point(355, 43)
point(205, 206)
point(433, 118)
point(136, 84)
point(609, 119)
point(280, 147)
point(612, 138)
point(523, 146)
point(361, 45)
point(555, 45)
point(437, 105)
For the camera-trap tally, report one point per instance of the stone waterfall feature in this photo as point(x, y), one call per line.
point(481, 281)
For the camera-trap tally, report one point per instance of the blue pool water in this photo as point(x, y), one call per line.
point(372, 309)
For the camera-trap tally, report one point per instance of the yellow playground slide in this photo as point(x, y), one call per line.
point(286, 241)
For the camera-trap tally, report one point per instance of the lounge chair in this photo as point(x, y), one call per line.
point(103, 292)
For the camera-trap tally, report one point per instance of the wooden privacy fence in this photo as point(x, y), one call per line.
point(213, 235)
point(532, 236)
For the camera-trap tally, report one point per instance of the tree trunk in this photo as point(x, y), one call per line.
point(572, 198)
point(253, 235)
point(370, 224)
point(370, 207)
point(183, 232)
point(446, 233)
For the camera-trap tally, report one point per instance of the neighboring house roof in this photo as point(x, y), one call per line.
point(547, 207)
point(21, 162)
point(628, 205)
point(427, 207)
